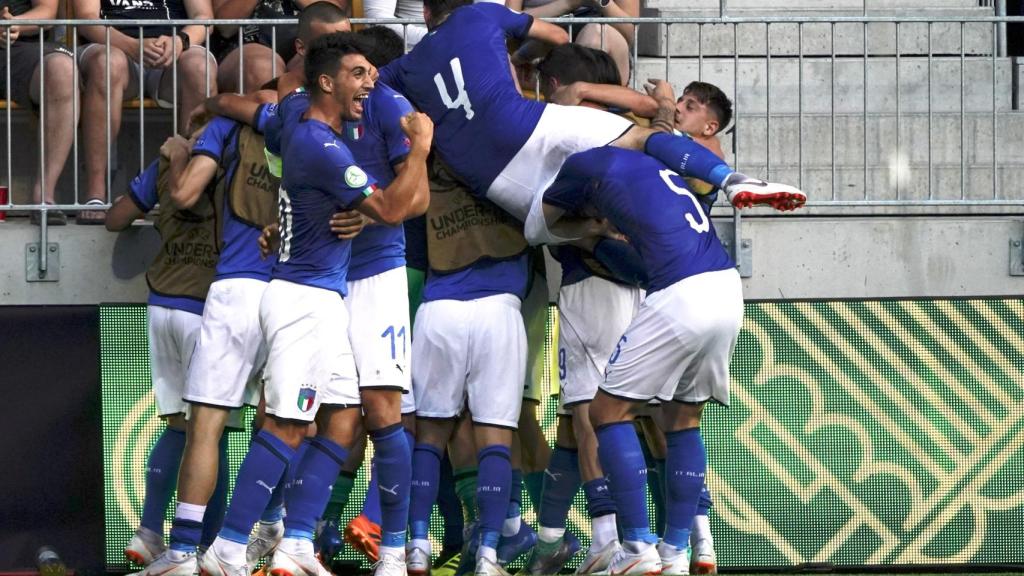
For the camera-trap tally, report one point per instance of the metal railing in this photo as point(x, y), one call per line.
point(763, 89)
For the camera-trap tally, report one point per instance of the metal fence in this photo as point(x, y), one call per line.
point(816, 99)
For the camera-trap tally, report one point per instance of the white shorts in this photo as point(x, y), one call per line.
point(679, 345)
point(230, 353)
point(535, 320)
point(474, 349)
point(561, 132)
point(586, 337)
point(378, 309)
point(172, 339)
point(309, 358)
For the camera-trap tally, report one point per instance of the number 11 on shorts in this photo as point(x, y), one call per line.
point(390, 332)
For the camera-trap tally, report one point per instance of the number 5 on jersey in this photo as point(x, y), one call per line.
point(461, 99)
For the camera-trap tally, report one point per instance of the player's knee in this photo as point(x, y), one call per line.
point(176, 422)
point(607, 409)
point(487, 435)
point(682, 415)
point(291, 432)
point(381, 408)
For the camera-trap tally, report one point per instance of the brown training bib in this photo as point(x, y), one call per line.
point(189, 248)
point(462, 229)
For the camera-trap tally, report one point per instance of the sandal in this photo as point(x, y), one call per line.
point(92, 217)
point(53, 218)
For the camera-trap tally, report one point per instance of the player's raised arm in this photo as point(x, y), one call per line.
point(409, 193)
point(609, 95)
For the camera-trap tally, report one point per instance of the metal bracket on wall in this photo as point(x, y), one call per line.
point(42, 266)
point(1017, 256)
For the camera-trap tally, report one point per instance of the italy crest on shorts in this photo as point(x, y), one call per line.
point(306, 398)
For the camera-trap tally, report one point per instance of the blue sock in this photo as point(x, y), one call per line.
point(261, 470)
point(515, 494)
point(426, 465)
point(393, 461)
point(623, 461)
point(686, 465)
point(494, 477)
point(274, 511)
point(449, 507)
point(705, 503)
point(306, 497)
point(213, 519)
point(161, 478)
point(687, 158)
point(534, 484)
point(599, 498)
point(561, 482)
point(371, 504)
point(656, 486)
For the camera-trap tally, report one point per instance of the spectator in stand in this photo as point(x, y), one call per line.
point(29, 80)
point(412, 33)
point(257, 54)
point(615, 39)
point(152, 56)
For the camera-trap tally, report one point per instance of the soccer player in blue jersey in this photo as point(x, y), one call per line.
point(380, 331)
point(677, 349)
point(508, 148)
point(303, 314)
point(585, 341)
point(470, 354)
point(178, 288)
point(224, 368)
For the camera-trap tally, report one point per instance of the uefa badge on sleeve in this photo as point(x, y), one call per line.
point(355, 177)
point(306, 398)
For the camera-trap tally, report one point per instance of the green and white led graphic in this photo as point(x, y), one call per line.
point(867, 432)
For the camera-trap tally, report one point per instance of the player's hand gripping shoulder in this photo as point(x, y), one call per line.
point(420, 130)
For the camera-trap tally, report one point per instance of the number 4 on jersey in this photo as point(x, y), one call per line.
point(462, 97)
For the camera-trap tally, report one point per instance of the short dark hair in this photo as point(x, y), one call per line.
point(440, 9)
point(325, 54)
point(712, 97)
point(323, 11)
point(570, 63)
point(384, 45)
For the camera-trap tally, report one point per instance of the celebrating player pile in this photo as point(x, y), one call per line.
point(506, 173)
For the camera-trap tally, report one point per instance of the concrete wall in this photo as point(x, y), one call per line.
point(794, 256)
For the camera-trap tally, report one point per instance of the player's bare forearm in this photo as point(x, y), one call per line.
point(240, 108)
point(408, 194)
point(620, 97)
point(665, 116)
point(189, 177)
point(121, 214)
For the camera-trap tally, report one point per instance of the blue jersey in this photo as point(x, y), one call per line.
point(378, 144)
point(483, 278)
point(320, 178)
point(239, 251)
point(648, 203)
point(416, 243)
point(459, 76)
point(571, 260)
point(143, 193)
point(291, 107)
